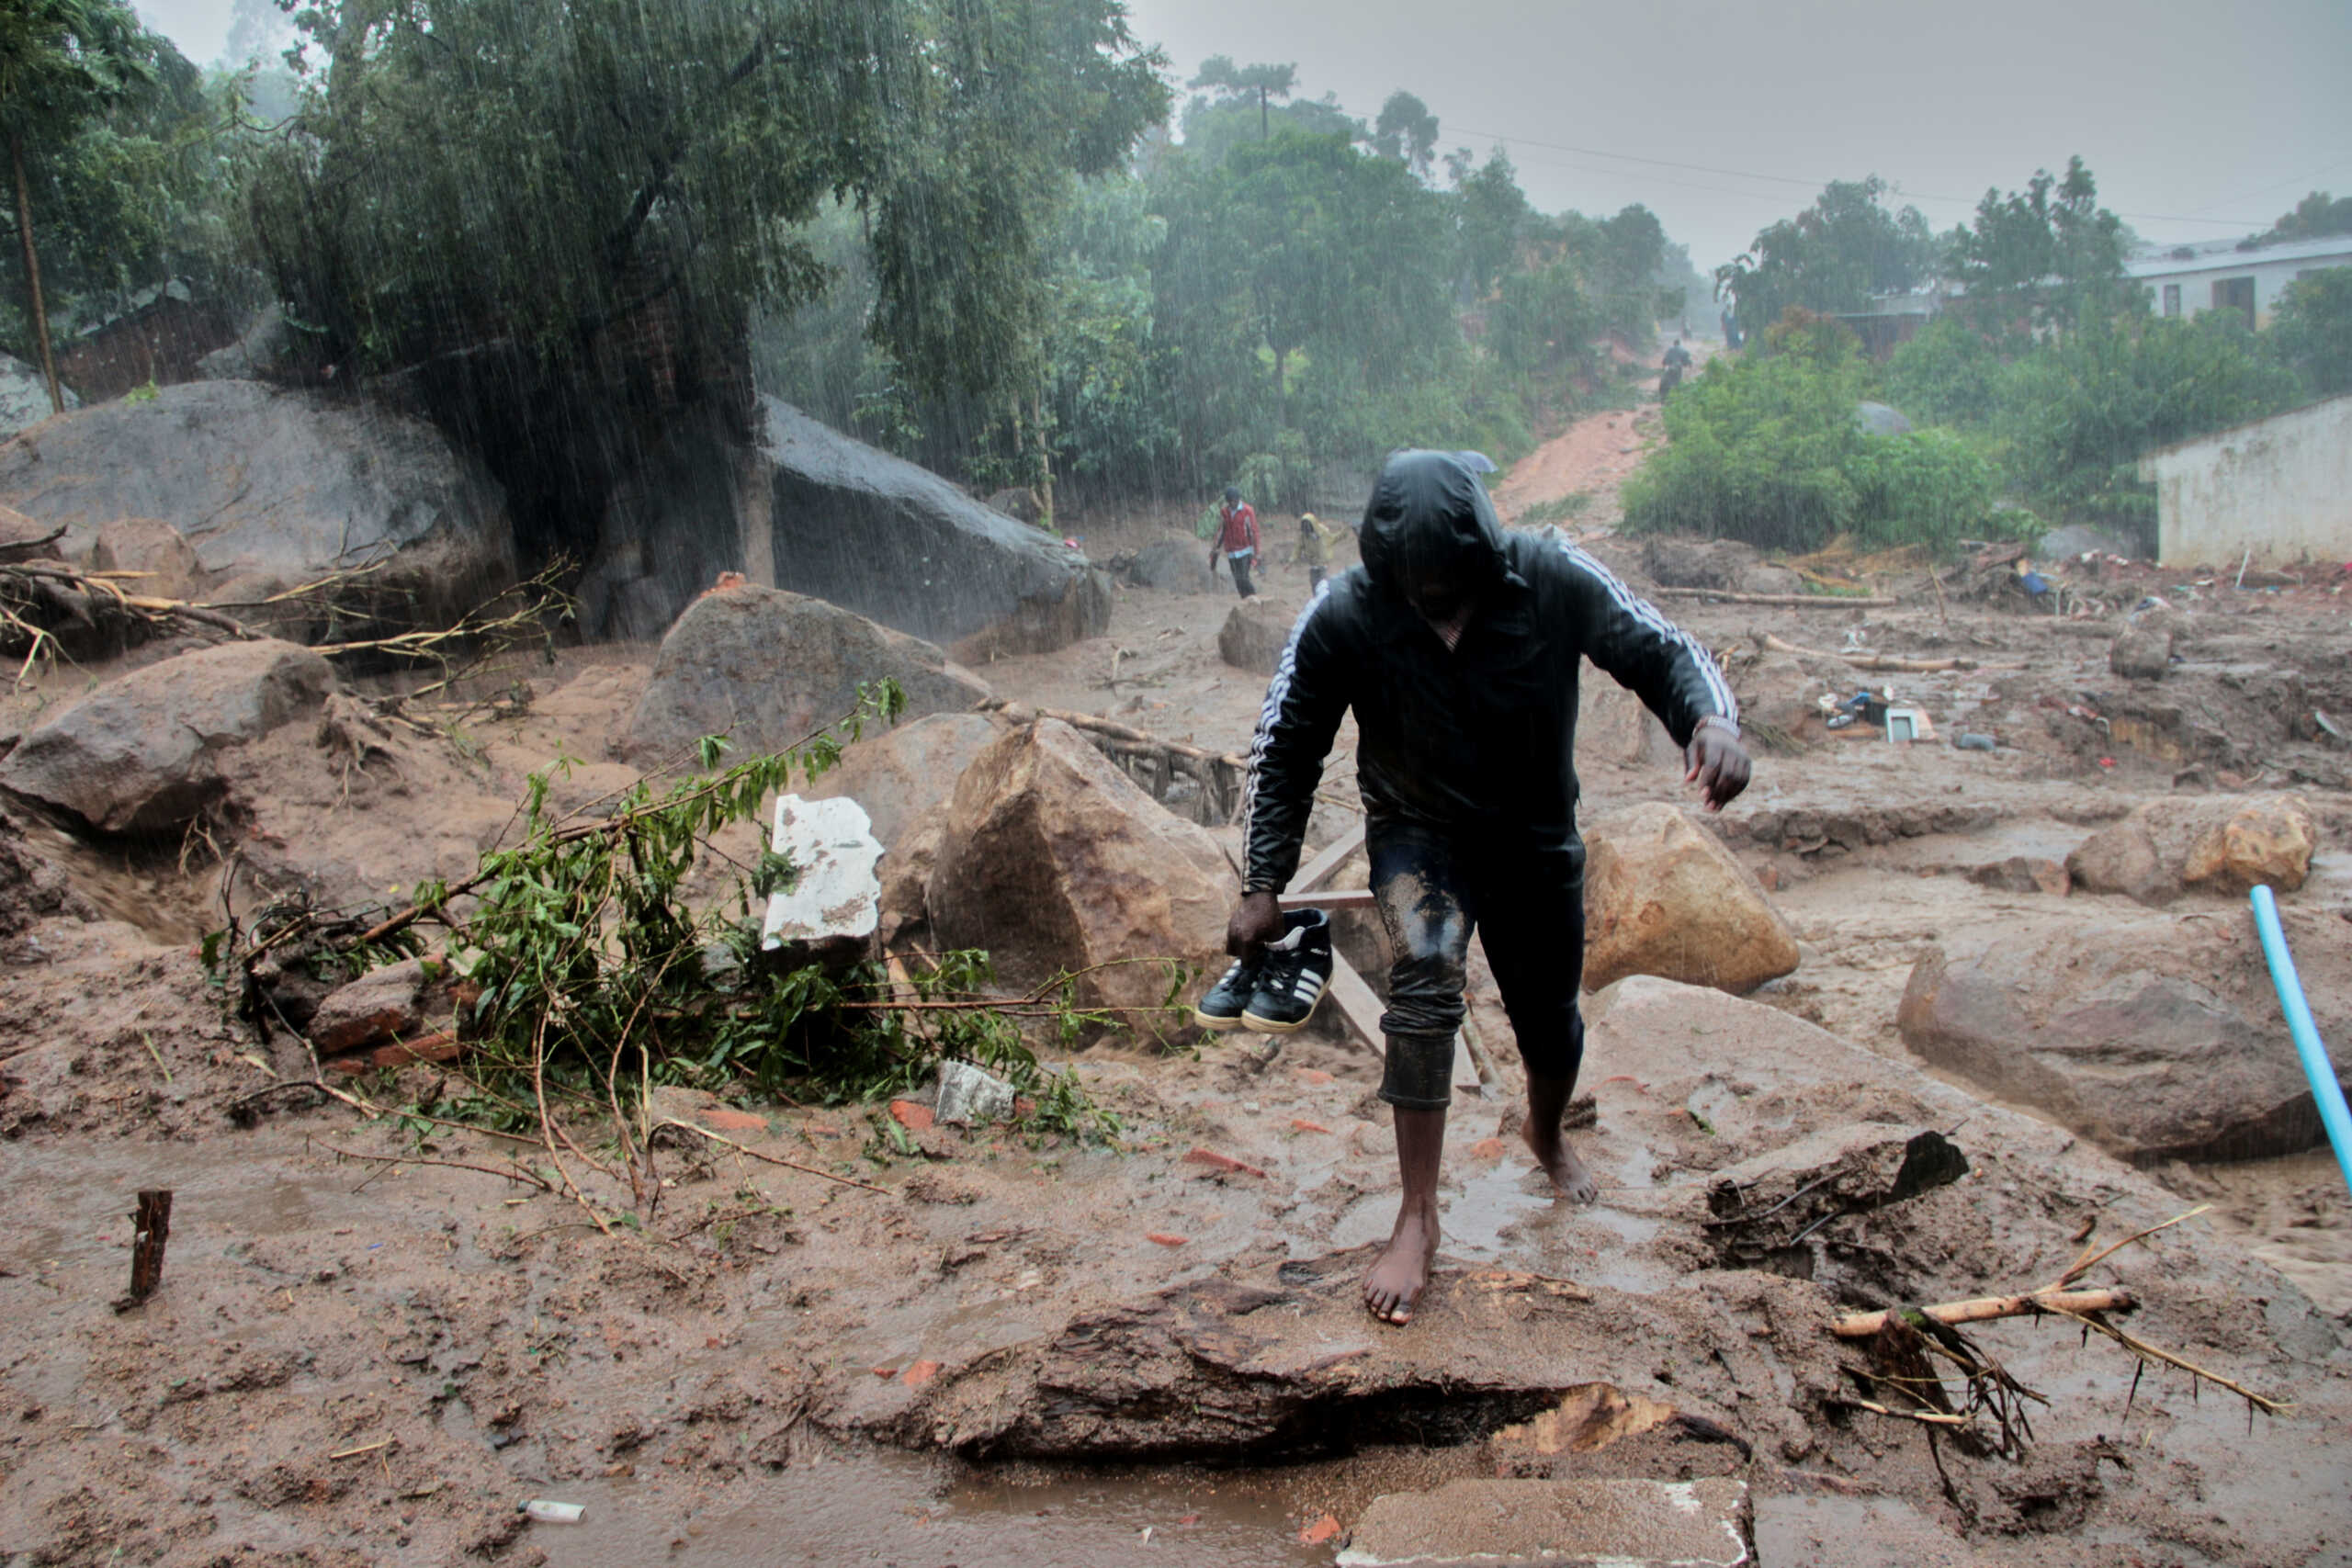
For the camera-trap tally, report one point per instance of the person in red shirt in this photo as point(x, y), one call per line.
point(1237, 540)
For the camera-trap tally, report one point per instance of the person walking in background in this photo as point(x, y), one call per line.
point(1315, 538)
point(1677, 361)
point(1237, 540)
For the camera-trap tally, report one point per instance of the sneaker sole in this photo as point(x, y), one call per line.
point(1216, 1025)
point(1250, 1020)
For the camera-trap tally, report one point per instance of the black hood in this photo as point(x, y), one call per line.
point(1430, 516)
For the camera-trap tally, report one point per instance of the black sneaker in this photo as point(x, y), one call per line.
point(1221, 1009)
point(1296, 970)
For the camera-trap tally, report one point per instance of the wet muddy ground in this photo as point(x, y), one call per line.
point(1025, 1354)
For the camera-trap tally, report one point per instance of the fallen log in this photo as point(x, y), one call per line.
point(1888, 662)
point(1985, 1309)
point(1782, 601)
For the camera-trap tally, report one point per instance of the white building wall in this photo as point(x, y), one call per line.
point(2280, 487)
point(2273, 271)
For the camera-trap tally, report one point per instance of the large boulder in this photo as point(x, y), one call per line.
point(1054, 859)
point(22, 539)
point(272, 486)
point(1172, 566)
point(1613, 725)
point(142, 752)
point(2222, 844)
point(894, 541)
point(2157, 1037)
point(1663, 897)
point(1675, 561)
point(767, 668)
point(1254, 635)
point(902, 774)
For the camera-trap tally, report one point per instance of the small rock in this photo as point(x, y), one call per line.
point(1301, 1124)
point(2024, 874)
point(728, 1119)
point(1163, 1239)
point(1313, 1077)
point(378, 1006)
point(2142, 653)
point(970, 1097)
point(1488, 1149)
point(913, 1117)
point(920, 1373)
point(1318, 1532)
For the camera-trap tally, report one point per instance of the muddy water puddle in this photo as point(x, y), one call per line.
point(914, 1512)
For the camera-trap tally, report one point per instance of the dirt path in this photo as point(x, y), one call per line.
point(1574, 478)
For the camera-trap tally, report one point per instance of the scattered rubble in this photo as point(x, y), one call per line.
point(2166, 848)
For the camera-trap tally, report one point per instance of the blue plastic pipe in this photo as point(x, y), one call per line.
point(2325, 1089)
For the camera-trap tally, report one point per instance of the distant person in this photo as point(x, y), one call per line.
point(1458, 646)
point(1315, 538)
point(1676, 360)
point(1731, 331)
point(1237, 540)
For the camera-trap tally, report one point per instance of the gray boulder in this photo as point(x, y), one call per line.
point(277, 485)
point(1172, 566)
point(24, 395)
point(1254, 635)
point(767, 668)
point(2141, 653)
point(882, 536)
point(140, 754)
point(2157, 1038)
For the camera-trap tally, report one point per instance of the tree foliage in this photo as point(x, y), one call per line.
point(1831, 258)
point(2313, 332)
point(2047, 257)
point(2315, 217)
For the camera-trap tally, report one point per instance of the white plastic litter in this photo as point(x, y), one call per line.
point(970, 1097)
point(549, 1513)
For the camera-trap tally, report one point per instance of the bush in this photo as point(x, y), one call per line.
point(1945, 375)
point(1925, 486)
point(2313, 335)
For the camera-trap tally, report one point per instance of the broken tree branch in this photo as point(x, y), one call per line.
point(1782, 601)
point(1888, 662)
point(1985, 1309)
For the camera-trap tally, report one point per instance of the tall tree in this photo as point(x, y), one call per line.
point(1406, 132)
point(2048, 256)
point(1831, 258)
point(1261, 82)
point(62, 63)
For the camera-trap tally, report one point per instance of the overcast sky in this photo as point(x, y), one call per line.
point(2200, 121)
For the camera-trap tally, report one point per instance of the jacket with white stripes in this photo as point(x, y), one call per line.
point(1479, 739)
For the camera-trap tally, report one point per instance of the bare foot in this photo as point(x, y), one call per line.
point(1395, 1282)
point(1553, 1153)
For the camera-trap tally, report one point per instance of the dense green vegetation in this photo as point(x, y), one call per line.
point(2040, 384)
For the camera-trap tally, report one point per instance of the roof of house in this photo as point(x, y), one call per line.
point(2222, 256)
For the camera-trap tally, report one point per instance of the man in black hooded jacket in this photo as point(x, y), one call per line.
point(1458, 648)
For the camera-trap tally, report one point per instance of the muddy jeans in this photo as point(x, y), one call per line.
point(1240, 561)
point(1526, 900)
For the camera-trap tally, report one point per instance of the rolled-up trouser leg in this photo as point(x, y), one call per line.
point(1429, 918)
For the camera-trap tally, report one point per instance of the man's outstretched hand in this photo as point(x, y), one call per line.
point(1257, 921)
point(1718, 766)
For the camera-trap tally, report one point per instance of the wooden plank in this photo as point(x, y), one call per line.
point(1357, 1004)
point(1361, 899)
point(1326, 861)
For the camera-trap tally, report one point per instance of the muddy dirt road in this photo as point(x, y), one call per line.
point(1023, 1352)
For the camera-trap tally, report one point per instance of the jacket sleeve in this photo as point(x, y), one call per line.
point(1304, 703)
point(1623, 634)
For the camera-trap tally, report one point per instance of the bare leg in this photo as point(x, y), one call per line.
point(1547, 1101)
point(1395, 1282)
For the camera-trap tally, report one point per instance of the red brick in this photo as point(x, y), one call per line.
point(726, 1119)
point(1224, 1164)
point(920, 1373)
point(1164, 1239)
point(1319, 1531)
point(1301, 1124)
point(884, 1371)
point(1488, 1148)
point(912, 1117)
point(1314, 1076)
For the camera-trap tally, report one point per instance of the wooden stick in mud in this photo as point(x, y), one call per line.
point(1781, 601)
point(1984, 1309)
point(153, 1219)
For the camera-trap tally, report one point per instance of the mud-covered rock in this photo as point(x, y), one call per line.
point(1672, 560)
point(767, 668)
point(24, 395)
point(2024, 874)
point(287, 484)
point(1254, 635)
point(1761, 1207)
point(32, 888)
point(1172, 566)
point(1662, 897)
point(1613, 725)
point(1630, 1523)
point(381, 1005)
point(2141, 653)
point(1051, 860)
point(140, 754)
point(2221, 844)
point(2157, 1037)
point(23, 539)
point(882, 536)
point(152, 547)
point(900, 776)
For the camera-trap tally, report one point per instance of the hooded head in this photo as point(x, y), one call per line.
point(1233, 495)
point(1431, 536)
